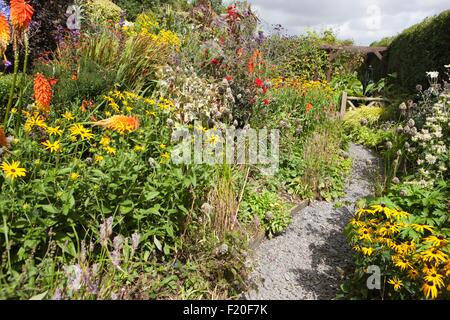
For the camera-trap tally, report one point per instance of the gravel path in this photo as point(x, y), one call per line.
point(310, 259)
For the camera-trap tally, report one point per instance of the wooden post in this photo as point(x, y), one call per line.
point(343, 104)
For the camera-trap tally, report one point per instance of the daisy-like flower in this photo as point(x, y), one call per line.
point(74, 176)
point(99, 158)
point(52, 147)
point(21, 14)
point(34, 121)
point(434, 254)
point(120, 123)
point(42, 92)
point(68, 116)
point(413, 274)
point(401, 262)
point(365, 234)
point(105, 141)
point(81, 131)
point(367, 251)
point(13, 170)
point(434, 277)
point(421, 227)
point(54, 131)
point(430, 290)
point(396, 283)
point(110, 150)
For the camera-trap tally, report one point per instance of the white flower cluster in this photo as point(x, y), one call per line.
point(195, 98)
point(432, 142)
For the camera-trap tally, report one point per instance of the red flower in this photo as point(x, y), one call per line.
point(52, 81)
point(308, 107)
point(214, 61)
point(21, 14)
point(259, 83)
point(42, 92)
point(266, 102)
point(231, 12)
point(5, 33)
point(264, 89)
point(229, 78)
point(251, 67)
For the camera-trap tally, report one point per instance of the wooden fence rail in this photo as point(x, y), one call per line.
point(347, 100)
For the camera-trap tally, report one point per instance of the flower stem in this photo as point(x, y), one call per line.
point(22, 81)
point(13, 86)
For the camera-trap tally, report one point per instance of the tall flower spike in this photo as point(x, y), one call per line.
point(42, 93)
point(5, 33)
point(119, 123)
point(21, 14)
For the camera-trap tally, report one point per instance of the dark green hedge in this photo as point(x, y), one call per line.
point(421, 48)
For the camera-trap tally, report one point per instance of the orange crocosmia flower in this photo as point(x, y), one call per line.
point(308, 107)
point(119, 123)
point(251, 67)
point(21, 14)
point(5, 33)
point(3, 141)
point(42, 92)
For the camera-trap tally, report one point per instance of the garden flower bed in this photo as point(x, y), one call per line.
point(97, 202)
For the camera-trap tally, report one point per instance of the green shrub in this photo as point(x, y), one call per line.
point(420, 48)
point(102, 11)
point(270, 210)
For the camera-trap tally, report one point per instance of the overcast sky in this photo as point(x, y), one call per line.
point(364, 21)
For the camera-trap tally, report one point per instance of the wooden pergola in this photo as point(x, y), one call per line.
point(334, 51)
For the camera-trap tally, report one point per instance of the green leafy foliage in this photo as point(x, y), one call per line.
point(269, 209)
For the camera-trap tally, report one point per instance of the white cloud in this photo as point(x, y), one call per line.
point(364, 21)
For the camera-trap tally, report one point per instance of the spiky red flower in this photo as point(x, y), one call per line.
point(21, 14)
point(266, 102)
point(5, 33)
point(42, 92)
point(308, 107)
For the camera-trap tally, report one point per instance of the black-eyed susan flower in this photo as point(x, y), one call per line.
point(401, 262)
point(52, 146)
point(396, 283)
point(436, 241)
point(413, 274)
point(421, 227)
point(430, 290)
point(434, 254)
point(433, 276)
point(367, 251)
point(13, 170)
